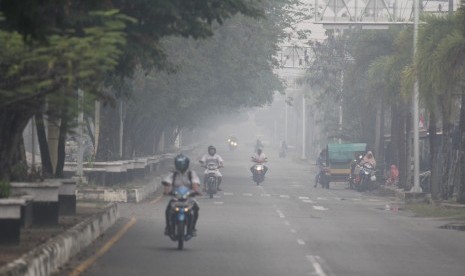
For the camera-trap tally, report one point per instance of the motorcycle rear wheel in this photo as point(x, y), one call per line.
point(211, 187)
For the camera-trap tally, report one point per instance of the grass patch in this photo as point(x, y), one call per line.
point(436, 211)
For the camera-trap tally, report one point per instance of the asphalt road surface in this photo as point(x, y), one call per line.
point(284, 227)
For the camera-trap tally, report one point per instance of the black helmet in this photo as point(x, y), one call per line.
point(211, 148)
point(181, 162)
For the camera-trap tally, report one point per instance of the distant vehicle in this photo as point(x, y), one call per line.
point(232, 143)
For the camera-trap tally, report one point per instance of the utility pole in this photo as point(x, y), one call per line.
point(80, 156)
point(285, 122)
point(121, 130)
point(416, 135)
point(304, 128)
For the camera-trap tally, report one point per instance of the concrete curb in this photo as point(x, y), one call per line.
point(48, 257)
point(406, 196)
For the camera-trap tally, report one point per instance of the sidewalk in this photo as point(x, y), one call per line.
point(43, 250)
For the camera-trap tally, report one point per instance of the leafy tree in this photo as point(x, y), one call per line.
point(44, 25)
point(229, 71)
point(441, 69)
point(32, 74)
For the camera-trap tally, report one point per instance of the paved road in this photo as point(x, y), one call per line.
point(284, 227)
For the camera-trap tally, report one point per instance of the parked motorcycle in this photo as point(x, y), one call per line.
point(324, 177)
point(366, 176)
point(212, 180)
point(181, 215)
point(354, 172)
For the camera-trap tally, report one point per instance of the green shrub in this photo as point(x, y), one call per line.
point(4, 189)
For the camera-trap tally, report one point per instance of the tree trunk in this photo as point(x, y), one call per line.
point(461, 192)
point(395, 136)
point(62, 144)
point(402, 146)
point(446, 149)
point(433, 148)
point(108, 148)
point(47, 170)
point(408, 148)
point(13, 120)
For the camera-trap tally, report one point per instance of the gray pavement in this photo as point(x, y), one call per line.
point(283, 227)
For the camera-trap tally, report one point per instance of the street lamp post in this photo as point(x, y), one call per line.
point(304, 128)
point(416, 136)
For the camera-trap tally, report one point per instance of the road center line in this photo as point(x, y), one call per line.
point(308, 201)
point(301, 242)
point(316, 265)
point(319, 208)
point(280, 214)
point(303, 197)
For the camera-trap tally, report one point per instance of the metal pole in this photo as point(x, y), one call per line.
point(121, 120)
point(80, 156)
point(285, 123)
point(304, 129)
point(33, 142)
point(416, 136)
point(340, 122)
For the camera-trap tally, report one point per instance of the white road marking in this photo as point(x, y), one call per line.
point(319, 208)
point(287, 223)
point(301, 242)
point(228, 194)
point(266, 195)
point(218, 202)
point(318, 269)
point(308, 201)
point(247, 194)
point(356, 199)
point(303, 197)
point(321, 198)
point(293, 231)
point(280, 214)
point(374, 200)
point(284, 196)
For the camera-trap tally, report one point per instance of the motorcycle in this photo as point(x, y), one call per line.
point(366, 176)
point(258, 171)
point(232, 145)
point(282, 153)
point(354, 172)
point(181, 215)
point(212, 181)
point(325, 176)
